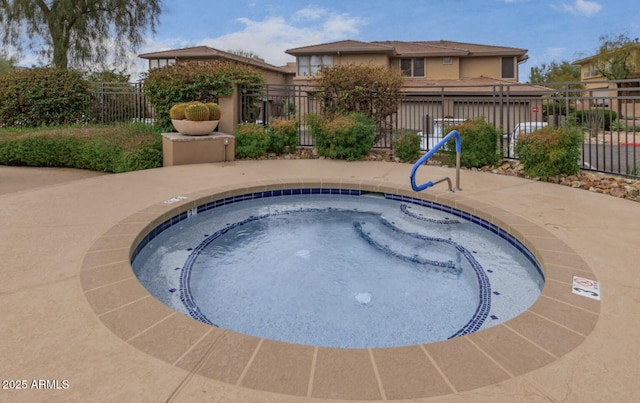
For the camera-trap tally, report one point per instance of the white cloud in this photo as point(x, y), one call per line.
point(310, 13)
point(341, 26)
point(582, 7)
point(270, 37)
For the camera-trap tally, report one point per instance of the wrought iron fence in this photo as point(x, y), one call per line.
point(262, 104)
point(119, 102)
point(607, 111)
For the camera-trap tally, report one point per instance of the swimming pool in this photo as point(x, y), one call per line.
point(276, 265)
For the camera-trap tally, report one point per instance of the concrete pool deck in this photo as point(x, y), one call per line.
point(74, 315)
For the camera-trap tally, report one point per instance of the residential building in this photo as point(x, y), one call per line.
point(272, 74)
point(452, 81)
point(422, 62)
point(461, 80)
point(231, 114)
point(605, 93)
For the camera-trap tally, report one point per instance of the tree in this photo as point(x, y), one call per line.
point(616, 60)
point(244, 53)
point(108, 76)
point(617, 57)
point(195, 81)
point(78, 32)
point(373, 90)
point(553, 74)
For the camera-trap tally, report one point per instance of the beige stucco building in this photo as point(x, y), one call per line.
point(272, 74)
point(422, 62)
point(445, 81)
point(605, 93)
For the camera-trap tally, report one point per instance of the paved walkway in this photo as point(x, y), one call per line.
point(50, 220)
point(15, 179)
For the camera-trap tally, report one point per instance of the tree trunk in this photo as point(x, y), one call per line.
point(60, 59)
point(60, 35)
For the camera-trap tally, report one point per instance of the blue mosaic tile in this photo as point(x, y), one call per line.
point(405, 210)
point(446, 266)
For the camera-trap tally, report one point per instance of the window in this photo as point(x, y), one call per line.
point(592, 71)
point(155, 63)
point(413, 67)
point(508, 67)
point(447, 60)
point(310, 65)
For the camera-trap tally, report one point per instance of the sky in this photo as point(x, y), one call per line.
point(551, 31)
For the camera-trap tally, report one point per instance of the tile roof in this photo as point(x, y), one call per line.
point(414, 48)
point(347, 46)
point(476, 85)
point(206, 52)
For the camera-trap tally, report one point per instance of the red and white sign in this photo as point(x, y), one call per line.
point(586, 288)
point(536, 109)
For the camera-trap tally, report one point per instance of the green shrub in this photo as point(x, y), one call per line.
point(251, 140)
point(406, 145)
point(98, 156)
point(118, 148)
point(283, 135)
point(586, 118)
point(550, 151)
point(142, 158)
point(624, 125)
point(184, 82)
point(348, 137)
point(44, 96)
point(479, 144)
point(553, 106)
point(40, 152)
point(375, 91)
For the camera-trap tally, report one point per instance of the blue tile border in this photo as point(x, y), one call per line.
point(484, 305)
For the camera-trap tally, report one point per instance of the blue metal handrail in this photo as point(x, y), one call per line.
point(428, 155)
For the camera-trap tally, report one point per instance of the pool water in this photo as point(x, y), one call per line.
point(360, 271)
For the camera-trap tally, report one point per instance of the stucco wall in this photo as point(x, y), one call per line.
point(436, 69)
point(367, 59)
point(480, 66)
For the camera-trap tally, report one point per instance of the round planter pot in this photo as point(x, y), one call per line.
point(193, 128)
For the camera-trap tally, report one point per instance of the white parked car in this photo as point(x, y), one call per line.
point(522, 127)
